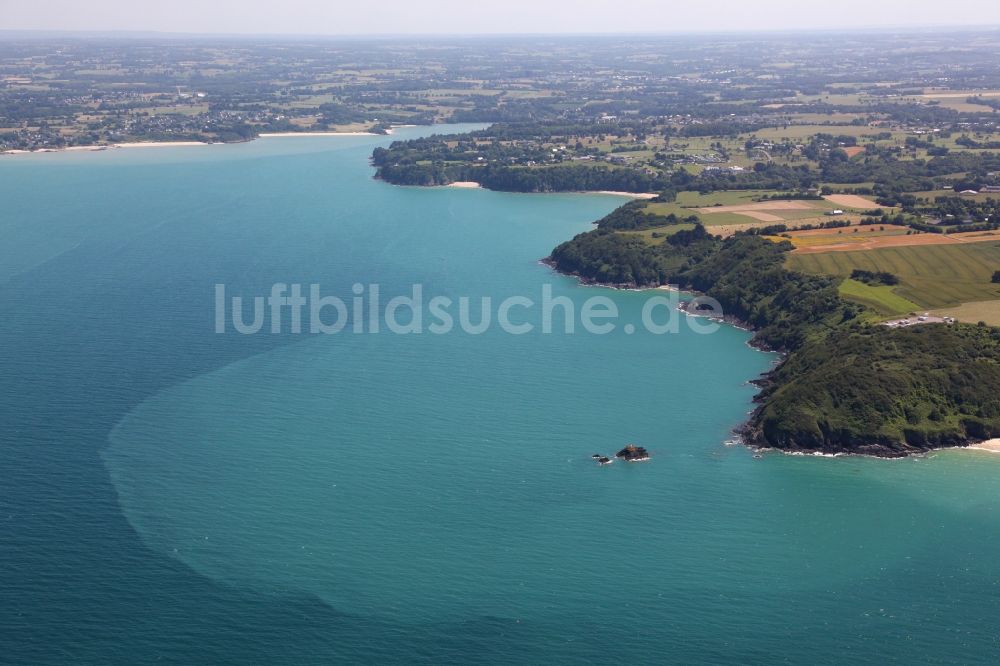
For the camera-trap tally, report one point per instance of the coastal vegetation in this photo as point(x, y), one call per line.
point(545, 178)
point(883, 391)
point(745, 273)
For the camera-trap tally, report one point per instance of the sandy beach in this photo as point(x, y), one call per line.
point(93, 149)
point(991, 445)
point(152, 144)
point(268, 135)
point(633, 195)
point(471, 184)
point(171, 144)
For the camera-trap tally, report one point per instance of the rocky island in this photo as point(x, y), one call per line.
point(633, 453)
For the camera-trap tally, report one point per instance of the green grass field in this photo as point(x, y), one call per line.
point(724, 197)
point(932, 276)
point(660, 232)
point(850, 186)
point(882, 299)
point(710, 220)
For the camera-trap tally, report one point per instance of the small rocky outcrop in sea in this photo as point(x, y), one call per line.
point(602, 460)
point(633, 453)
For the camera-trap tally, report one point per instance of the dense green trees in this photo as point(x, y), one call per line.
point(874, 278)
point(895, 175)
point(611, 258)
point(634, 216)
point(873, 389)
point(565, 178)
point(744, 273)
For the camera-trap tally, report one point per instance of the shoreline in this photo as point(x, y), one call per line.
point(631, 195)
point(110, 146)
point(149, 144)
point(991, 446)
point(744, 436)
point(473, 185)
point(182, 144)
point(729, 320)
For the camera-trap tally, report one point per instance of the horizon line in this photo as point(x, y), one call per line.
point(134, 33)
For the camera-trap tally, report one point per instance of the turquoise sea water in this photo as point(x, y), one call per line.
point(174, 495)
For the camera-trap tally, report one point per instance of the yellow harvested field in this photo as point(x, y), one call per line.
point(761, 215)
point(813, 244)
point(827, 237)
point(959, 100)
point(726, 230)
point(974, 312)
point(851, 201)
point(974, 236)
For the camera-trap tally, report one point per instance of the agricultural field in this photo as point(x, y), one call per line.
point(854, 237)
point(825, 118)
point(851, 201)
point(848, 186)
point(874, 237)
point(734, 208)
point(958, 100)
point(930, 195)
point(931, 276)
point(978, 311)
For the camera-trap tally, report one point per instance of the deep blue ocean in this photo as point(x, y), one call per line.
point(170, 494)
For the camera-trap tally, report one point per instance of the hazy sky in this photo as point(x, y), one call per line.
point(338, 17)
